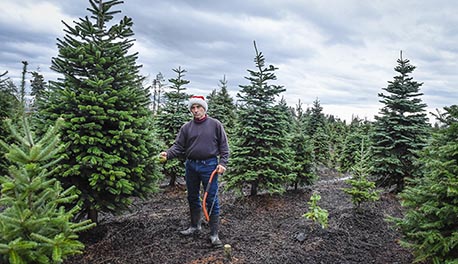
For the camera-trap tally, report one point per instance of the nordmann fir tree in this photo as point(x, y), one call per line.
point(35, 224)
point(315, 213)
point(430, 223)
point(40, 92)
point(38, 88)
point(158, 87)
point(37, 84)
point(8, 104)
point(358, 131)
point(259, 157)
point(316, 130)
point(169, 120)
point(362, 190)
point(22, 90)
point(321, 145)
point(303, 161)
point(7, 99)
point(284, 119)
point(107, 125)
point(221, 106)
point(400, 130)
point(336, 131)
point(316, 118)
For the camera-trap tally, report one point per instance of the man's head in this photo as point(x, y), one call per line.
point(197, 99)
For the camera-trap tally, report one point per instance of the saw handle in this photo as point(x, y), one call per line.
point(204, 200)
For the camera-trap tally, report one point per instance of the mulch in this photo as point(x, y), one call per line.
point(261, 229)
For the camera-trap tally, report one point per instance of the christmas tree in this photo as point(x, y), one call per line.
point(430, 222)
point(108, 125)
point(35, 223)
point(401, 129)
point(171, 117)
point(261, 156)
point(361, 190)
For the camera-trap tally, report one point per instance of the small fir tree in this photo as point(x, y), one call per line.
point(285, 122)
point(22, 90)
point(7, 99)
point(170, 119)
point(362, 190)
point(158, 87)
point(430, 222)
point(260, 156)
point(221, 106)
point(315, 213)
point(358, 132)
point(303, 159)
point(401, 129)
point(8, 104)
point(37, 84)
point(315, 129)
point(336, 130)
point(320, 142)
point(38, 88)
point(316, 118)
point(35, 226)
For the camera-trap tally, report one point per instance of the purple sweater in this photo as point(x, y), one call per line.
point(201, 141)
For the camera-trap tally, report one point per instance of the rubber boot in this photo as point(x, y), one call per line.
point(196, 223)
point(214, 226)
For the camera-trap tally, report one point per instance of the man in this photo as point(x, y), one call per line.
point(201, 140)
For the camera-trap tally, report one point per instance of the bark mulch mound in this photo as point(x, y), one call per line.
point(261, 229)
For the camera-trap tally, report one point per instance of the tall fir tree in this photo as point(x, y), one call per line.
point(170, 119)
point(400, 130)
point(35, 226)
point(221, 106)
point(108, 124)
point(430, 223)
point(259, 157)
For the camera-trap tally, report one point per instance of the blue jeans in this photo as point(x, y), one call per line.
point(197, 172)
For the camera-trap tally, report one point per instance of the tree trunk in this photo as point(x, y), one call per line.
point(173, 180)
point(92, 214)
point(254, 188)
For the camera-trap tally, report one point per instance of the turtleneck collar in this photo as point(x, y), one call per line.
point(200, 120)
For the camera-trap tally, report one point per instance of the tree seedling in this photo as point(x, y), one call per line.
point(315, 212)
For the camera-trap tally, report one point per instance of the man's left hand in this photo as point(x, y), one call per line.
point(220, 169)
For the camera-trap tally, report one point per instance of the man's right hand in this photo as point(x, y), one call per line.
point(163, 156)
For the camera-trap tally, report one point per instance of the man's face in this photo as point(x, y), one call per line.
point(198, 111)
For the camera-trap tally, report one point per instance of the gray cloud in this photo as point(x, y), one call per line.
point(342, 52)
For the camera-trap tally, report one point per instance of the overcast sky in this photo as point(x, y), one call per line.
point(341, 52)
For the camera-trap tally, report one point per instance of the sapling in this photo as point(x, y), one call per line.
point(315, 212)
point(362, 190)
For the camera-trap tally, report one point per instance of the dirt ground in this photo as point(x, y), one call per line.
point(262, 229)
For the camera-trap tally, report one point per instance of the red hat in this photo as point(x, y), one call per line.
point(197, 99)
